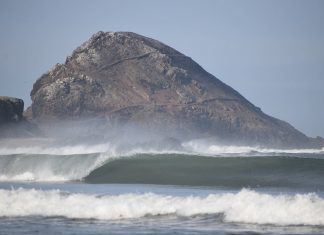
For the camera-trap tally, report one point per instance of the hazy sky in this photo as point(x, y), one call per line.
point(272, 52)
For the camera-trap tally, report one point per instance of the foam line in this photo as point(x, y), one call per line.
point(246, 206)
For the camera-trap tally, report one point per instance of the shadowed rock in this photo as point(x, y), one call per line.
point(12, 122)
point(11, 109)
point(127, 78)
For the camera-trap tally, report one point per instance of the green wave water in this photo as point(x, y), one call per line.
point(175, 169)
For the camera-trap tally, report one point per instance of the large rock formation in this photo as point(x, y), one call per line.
point(128, 78)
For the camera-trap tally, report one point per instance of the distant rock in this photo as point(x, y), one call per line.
point(12, 122)
point(11, 109)
point(127, 78)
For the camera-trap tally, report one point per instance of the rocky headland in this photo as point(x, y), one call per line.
point(123, 78)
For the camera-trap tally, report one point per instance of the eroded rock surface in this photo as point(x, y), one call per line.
point(128, 78)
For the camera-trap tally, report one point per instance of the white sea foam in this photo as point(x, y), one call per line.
point(246, 206)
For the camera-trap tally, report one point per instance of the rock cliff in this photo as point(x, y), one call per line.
point(128, 78)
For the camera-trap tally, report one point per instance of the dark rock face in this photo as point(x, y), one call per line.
point(12, 122)
point(128, 78)
point(11, 109)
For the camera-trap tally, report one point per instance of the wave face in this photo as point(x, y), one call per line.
point(246, 206)
point(217, 171)
point(194, 164)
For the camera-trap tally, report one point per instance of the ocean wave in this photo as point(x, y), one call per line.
point(61, 164)
point(66, 163)
point(172, 169)
point(246, 206)
point(233, 172)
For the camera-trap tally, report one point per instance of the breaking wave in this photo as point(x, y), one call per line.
point(245, 206)
point(42, 167)
point(193, 163)
point(59, 163)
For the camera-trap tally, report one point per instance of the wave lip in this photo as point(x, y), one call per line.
point(245, 206)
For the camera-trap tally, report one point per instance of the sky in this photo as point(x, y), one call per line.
point(272, 52)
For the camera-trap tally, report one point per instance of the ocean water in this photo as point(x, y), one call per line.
point(200, 188)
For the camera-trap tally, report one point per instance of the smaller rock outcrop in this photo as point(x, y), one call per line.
point(11, 109)
point(12, 121)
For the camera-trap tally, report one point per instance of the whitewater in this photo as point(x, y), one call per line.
point(246, 206)
point(197, 188)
